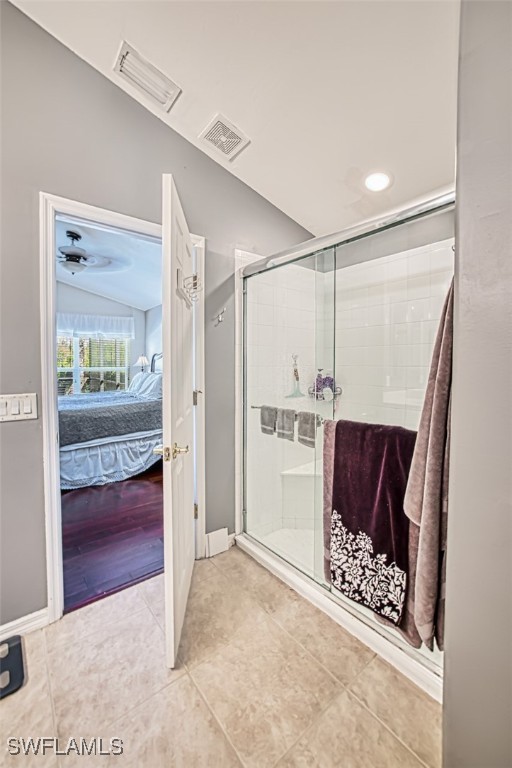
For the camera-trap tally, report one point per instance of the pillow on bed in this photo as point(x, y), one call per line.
point(137, 381)
point(151, 387)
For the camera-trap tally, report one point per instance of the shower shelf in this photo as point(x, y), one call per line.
point(320, 396)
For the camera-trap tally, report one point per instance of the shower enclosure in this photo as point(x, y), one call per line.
point(343, 328)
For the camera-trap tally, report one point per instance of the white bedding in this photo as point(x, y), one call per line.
point(107, 460)
point(116, 457)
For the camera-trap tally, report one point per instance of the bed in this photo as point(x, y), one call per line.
point(110, 436)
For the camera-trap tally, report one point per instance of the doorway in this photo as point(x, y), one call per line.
point(109, 396)
point(104, 493)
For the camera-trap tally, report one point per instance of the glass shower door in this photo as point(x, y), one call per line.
point(387, 318)
point(345, 333)
point(289, 382)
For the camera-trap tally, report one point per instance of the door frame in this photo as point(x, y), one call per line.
point(49, 207)
point(242, 259)
point(200, 409)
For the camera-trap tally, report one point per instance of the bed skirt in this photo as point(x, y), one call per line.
point(108, 460)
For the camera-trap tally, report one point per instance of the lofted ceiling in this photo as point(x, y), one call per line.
point(326, 91)
point(134, 276)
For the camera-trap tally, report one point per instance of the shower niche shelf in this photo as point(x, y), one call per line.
point(312, 392)
point(324, 388)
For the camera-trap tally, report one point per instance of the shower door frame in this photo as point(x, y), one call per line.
point(423, 674)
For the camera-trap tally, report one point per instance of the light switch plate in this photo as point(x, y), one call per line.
point(18, 407)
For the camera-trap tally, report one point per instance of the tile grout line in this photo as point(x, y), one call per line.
point(110, 723)
point(308, 652)
point(253, 602)
point(50, 689)
point(143, 594)
point(323, 708)
point(49, 686)
point(300, 597)
point(387, 727)
point(347, 687)
point(315, 719)
point(143, 701)
point(218, 567)
point(73, 640)
point(212, 653)
point(216, 649)
point(152, 612)
point(336, 693)
point(343, 685)
point(206, 560)
point(187, 671)
point(212, 712)
point(363, 668)
point(294, 639)
point(91, 634)
point(59, 761)
point(130, 710)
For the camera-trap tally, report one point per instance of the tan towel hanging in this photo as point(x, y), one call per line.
point(426, 497)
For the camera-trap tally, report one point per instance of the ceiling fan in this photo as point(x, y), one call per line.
point(74, 259)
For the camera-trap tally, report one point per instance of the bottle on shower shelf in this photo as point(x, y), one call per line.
point(331, 391)
point(328, 382)
point(296, 379)
point(319, 383)
point(324, 387)
point(317, 390)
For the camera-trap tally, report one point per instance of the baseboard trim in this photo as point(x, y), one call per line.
point(25, 624)
point(231, 539)
point(426, 679)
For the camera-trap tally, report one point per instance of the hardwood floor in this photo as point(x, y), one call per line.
point(112, 537)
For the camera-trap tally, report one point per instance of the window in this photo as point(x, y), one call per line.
point(91, 365)
point(93, 353)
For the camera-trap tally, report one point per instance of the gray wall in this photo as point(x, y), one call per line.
point(153, 343)
point(478, 658)
point(71, 299)
point(69, 131)
point(218, 276)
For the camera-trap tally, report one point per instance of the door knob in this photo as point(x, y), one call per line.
point(176, 450)
point(165, 452)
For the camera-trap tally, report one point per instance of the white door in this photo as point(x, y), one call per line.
point(178, 418)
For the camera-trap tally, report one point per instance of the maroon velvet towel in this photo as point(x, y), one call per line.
point(369, 529)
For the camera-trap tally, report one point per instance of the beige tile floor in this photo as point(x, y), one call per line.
point(264, 679)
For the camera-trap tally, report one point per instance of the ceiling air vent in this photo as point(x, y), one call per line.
point(146, 78)
point(224, 136)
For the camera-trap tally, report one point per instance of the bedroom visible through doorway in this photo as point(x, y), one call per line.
point(182, 369)
point(109, 392)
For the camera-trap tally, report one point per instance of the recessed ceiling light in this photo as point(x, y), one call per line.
point(376, 182)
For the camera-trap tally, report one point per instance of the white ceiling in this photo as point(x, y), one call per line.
point(326, 91)
point(139, 284)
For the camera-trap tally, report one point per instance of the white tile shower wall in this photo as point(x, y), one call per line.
point(387, 315)
point(280, 322)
